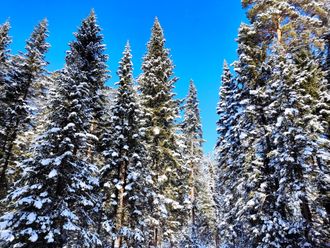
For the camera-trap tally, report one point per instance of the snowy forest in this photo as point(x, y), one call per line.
point(83, 164)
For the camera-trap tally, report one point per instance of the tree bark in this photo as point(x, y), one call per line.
point(120, 214)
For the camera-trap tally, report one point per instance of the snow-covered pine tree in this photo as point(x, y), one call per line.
point(296, 28)
point(206, 208)
point(227, 170)
point(169, 175)
point(201, 222)
point(54, 204)
point(193, 135)
point(124, 175)
point(25, 71)
point(5, 40)
point(193, 139)
point(89, 45)
point(298, 216)
point(244, 147)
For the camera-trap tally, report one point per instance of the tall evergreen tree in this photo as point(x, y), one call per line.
point(280, 176)
point(169, 175)
point(244, 144)
point(4, 85)
point(227, 170)
point(297, 158)
point(24, 73)
point(54, 203)
point(202, 219)
point(124, 175)
point(90, 47)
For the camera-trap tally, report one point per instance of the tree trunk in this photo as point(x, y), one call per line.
point(121, 204)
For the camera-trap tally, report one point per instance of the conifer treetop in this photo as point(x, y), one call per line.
point(192, 120)
point(36, 47)
point(5, 40)
point(125, 67)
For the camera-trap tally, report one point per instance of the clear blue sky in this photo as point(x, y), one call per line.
point(200, 35)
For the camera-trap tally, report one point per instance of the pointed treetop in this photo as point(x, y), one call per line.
point(125, 67)
point(192, 121)
point(226, 70)
point(42, 25)
point(91, 18)
point(127, 47)
point(92, 13)
point(156, 26)
point(4, 28)
point(89, 26)
point(156, 21)
point(37, 46)
point(157, 34)
point(39, 35)
point(225, 64)
point(126, 59)
point(192, 87)
point(4, 40)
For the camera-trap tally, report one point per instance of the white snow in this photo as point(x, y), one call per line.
point(52, 173)
point(38, 204)
point(31, 218)
point(33, 237)
point(49, 237)
point(46, 161)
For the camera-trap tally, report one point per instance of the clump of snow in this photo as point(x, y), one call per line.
point(52, 173)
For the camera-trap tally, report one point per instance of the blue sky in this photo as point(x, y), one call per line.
point(200, 35)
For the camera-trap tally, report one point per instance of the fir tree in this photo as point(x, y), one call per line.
point(297, 213)
point(169, 175)
point(124, 173)
point(192, 133)
point(25, 71)
point(89, 45)
point(54, 203)
point(4, 85)
point(244, 145)
point(228, 142)
point(51, 203)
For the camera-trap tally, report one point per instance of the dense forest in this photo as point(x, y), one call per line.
point(86, 165)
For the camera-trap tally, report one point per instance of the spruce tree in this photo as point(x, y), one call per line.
point(227, 169)
point(298, 217)
point(4, 86)
point(89, 45)
point(25, 71)
point(51, 203)
point(192, 133)
point(124, 175)
point(169, 175)
point(55, 203)
point(244, 144)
